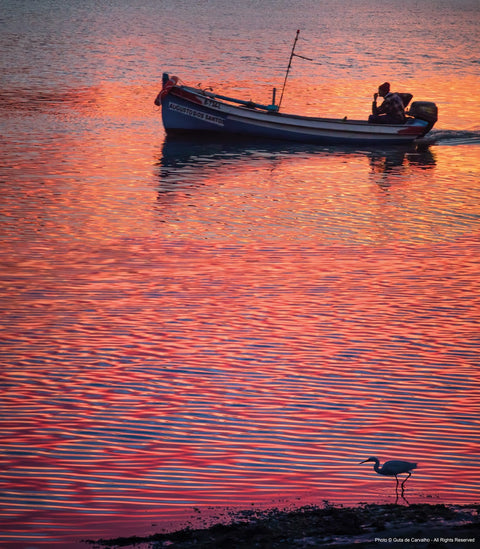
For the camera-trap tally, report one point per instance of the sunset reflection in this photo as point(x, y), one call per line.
point(308, 189)
point(195, 326)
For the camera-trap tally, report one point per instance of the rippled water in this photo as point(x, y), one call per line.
point(201, 325)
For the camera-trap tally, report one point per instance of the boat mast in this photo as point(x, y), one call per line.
point(292, 55)
point(288, 68)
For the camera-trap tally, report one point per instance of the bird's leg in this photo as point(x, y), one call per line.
point(396, 487)
point(409, 475)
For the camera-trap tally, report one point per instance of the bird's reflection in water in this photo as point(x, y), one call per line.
point(402, 497)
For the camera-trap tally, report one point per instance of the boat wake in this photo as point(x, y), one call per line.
point(452, 137)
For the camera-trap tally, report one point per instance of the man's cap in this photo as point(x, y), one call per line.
point(385, 87)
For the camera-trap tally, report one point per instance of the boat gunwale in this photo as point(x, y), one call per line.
point(246, 109)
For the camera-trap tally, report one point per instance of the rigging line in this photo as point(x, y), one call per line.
point(302, 57)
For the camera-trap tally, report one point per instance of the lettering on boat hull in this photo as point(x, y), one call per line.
point(196, 114)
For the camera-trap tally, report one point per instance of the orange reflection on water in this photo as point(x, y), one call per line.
point(318, 195)
point(215, 378)
point(92, 182)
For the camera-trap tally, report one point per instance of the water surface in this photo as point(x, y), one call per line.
point(200, 325)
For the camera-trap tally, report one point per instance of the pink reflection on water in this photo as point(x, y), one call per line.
point(208, 381)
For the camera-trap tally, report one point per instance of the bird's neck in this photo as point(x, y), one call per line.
point(376, 467)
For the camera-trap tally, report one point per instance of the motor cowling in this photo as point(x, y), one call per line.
point(425, 110)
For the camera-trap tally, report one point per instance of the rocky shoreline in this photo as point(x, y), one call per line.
point(381, 526)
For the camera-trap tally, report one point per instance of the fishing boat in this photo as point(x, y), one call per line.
point(200, 112)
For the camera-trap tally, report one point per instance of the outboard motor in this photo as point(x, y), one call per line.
point(424, 110)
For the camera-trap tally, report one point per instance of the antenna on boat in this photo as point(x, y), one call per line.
point(292, 55)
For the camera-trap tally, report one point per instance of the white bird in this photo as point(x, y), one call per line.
point(393, 468)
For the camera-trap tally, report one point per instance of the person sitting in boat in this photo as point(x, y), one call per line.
point(391, 111)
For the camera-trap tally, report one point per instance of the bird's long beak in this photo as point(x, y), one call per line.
point(364, 461)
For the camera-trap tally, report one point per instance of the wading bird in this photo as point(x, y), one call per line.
point(392, 469)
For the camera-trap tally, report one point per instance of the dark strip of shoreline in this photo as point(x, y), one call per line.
point(369, 526)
